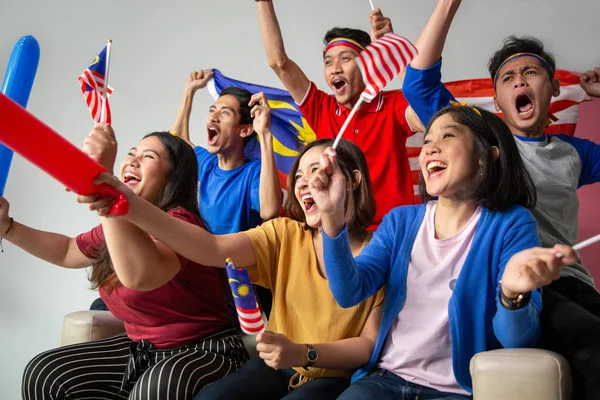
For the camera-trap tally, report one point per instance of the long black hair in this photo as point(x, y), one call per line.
point(180, 191)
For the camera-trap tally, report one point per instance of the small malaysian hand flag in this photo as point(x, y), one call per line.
point(379, 63)
point(93, 81)
point(382, 61)
point(248, 311)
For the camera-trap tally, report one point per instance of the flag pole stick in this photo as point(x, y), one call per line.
point(354, 110)
point(105, 89)
point(586, 243)
point(581, 245)
point(372, 6)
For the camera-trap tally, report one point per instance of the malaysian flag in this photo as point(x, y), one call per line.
point(92, 83)
point(480, 92)
point(248, 311)
point(290, 130)
point(379, 63)
point(382, 61)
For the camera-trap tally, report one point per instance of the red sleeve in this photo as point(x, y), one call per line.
point(91, 243)
point(186, 216)
point(400, 107)
point(316, 106)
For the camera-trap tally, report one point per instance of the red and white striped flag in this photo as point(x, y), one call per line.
point(379, 63)
point(382, 61)
point(480, 93)
point(92, 83)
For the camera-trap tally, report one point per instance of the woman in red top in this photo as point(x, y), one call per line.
point(180, 331)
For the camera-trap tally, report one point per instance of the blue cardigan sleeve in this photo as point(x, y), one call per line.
point(354, 280)
point(518, 328)
point(425, 91)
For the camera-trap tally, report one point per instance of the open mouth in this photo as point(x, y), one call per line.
point(339, 84)
point(436, 168)
point(524, 106)
point(131, 179)
point(308, 203)
point(213, 134)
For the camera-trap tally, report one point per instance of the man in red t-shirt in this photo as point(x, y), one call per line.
point(379, 128)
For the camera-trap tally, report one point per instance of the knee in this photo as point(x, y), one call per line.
point(166, 385)
point(39, 377)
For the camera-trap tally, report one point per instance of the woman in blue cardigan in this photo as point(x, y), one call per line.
point(461, 272)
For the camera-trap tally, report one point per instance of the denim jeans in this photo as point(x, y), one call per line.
point(255, 380)
point(384, 385)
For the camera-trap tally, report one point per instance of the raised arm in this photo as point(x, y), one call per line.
point(51, 247)
point(196, 80)
point(422, 84)
point(433, 37)
point(290, 74)
point(590, 82)
point(269, 191)
point(351, 280)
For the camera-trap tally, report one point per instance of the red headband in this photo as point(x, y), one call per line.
point(354, 45)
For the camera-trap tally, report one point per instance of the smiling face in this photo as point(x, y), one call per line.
point(225, 133)
point(343, 75)
point(524, 90)
point(146, 168)
point(308, 165)
point(446, 159)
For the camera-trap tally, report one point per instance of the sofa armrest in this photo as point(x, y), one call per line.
point(531, 374)
point(86, 326)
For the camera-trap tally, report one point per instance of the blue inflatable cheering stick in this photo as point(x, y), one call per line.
point(17, 84)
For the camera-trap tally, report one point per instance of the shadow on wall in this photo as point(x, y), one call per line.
point(588, 127)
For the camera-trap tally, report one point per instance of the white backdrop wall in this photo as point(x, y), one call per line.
point(156, 45)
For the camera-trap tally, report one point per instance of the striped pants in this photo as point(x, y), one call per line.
point(119, 368)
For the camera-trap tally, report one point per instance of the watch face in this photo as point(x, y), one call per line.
point(312, 355)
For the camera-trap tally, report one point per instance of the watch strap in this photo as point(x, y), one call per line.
point(515, 303)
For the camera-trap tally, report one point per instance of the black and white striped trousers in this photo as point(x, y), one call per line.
point(119, 368)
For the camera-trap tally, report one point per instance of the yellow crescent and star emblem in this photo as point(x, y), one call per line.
point(242, 290)
point(305, 132)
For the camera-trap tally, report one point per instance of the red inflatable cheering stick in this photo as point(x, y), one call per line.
point(35, 141)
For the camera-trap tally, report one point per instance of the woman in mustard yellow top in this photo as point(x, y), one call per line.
point(312, 345)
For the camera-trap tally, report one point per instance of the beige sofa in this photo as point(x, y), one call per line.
point(85, 326)
point(527, 374)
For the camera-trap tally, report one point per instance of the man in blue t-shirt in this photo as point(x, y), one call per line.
point(236, 194)
point(524, 82)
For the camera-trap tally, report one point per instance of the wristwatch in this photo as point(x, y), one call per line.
point(514, 303)
point(312, 355)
